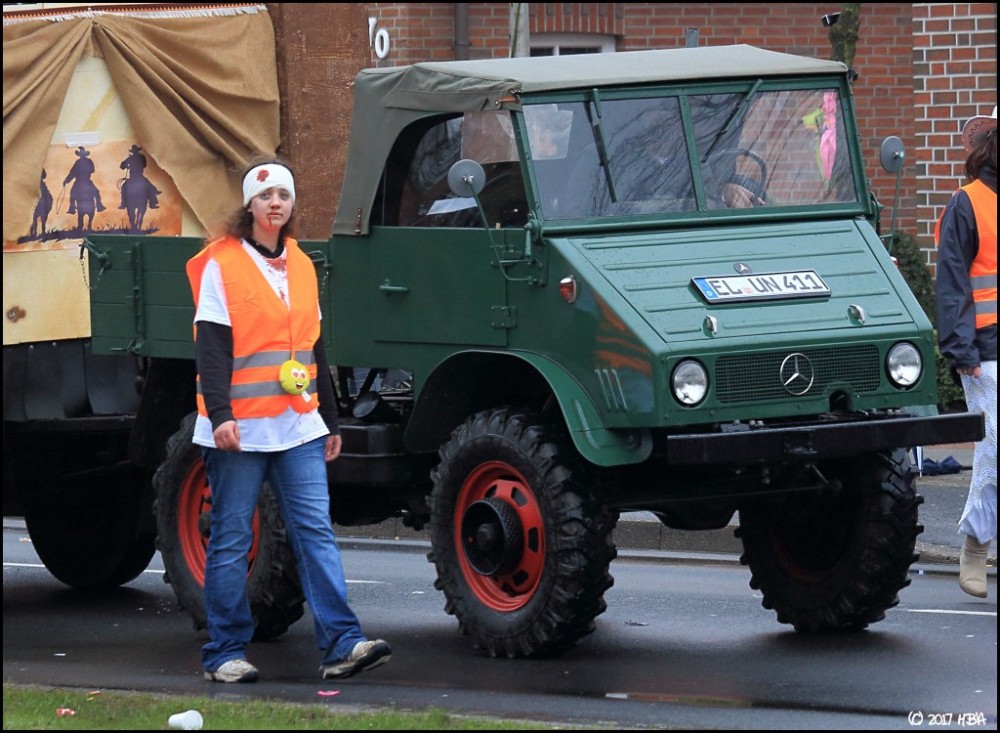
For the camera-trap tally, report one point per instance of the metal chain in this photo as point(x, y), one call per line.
point(83, 270)
point(326, 277)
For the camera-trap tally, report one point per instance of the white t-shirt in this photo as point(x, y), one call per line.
point(263, 434)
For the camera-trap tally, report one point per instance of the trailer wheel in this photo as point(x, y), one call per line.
point(836, 562)
point(182, 506)
point(521, 545)
point(88, 528)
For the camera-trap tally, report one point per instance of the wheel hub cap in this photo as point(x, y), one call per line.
point(492, 536)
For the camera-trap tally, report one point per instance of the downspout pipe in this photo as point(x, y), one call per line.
point(461, 31)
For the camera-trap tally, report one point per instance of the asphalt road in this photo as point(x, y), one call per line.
point(684, 645)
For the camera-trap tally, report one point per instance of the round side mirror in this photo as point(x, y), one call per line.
point(891, 155)
point(466, 177)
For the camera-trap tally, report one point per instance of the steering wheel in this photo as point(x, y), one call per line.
point(755, 182)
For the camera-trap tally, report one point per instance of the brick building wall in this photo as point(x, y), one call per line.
point(954, 77)
point(606, 18)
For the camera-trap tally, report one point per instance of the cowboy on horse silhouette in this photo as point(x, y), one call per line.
point(138, 192)
point(135, 164)
point(84, 195)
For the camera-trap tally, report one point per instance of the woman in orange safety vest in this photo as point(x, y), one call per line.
point(267, 412)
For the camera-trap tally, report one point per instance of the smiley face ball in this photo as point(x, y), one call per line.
point(294, 377)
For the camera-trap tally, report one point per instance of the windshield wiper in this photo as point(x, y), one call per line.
point(736, 115)
point(599, 141)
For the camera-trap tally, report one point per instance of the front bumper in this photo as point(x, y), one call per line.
point(764, 444)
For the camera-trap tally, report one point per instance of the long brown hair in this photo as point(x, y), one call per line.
point(985, 153)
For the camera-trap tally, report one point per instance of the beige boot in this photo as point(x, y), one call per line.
point(972, 567)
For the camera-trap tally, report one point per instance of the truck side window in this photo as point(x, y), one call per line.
point(423, 164)
point(486, 137)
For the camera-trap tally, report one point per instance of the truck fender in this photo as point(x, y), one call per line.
point(466, 383)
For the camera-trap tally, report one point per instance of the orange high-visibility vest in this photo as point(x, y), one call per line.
point(983, 271)
point(266, 333)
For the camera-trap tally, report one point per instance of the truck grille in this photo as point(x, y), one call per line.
point(747, 378)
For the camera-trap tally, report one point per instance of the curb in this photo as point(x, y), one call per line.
point(652, 540)
point(931, 565)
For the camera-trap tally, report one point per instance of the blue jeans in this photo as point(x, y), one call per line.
point(298, 478)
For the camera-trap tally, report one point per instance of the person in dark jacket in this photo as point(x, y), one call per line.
point(967, 330)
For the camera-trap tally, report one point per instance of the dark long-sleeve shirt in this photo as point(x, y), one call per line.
point(958, 245)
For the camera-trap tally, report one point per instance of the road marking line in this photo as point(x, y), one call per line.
point(39, 566)
point(946, 611)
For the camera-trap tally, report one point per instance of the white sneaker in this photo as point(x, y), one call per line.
point(235, 670)
point(364, 655)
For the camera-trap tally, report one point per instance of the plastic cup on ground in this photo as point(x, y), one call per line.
point(188, 720)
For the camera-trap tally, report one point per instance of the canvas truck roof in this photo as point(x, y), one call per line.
point(386, 100)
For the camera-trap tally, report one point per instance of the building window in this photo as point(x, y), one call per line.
point(567, 44)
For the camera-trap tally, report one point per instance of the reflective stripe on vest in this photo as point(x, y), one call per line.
point(266, 333)
point(983, 273)
point(245, 387)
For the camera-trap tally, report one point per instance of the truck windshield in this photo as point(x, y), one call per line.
point(726, 151)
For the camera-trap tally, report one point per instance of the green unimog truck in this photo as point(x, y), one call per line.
point(575, 287)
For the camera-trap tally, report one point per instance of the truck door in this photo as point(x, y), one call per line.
point(436, 285)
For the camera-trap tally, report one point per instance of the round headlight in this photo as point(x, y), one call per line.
point(904, 364)
point(689, 382)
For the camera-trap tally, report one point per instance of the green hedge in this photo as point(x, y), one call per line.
point(913, 267)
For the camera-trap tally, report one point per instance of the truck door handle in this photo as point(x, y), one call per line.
point(388, 287)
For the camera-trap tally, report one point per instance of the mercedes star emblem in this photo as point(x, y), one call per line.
point(797, 374)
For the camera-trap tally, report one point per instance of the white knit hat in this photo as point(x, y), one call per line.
point(263, 177)
point(977, 126)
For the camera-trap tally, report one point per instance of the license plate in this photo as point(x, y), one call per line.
point(768, 286)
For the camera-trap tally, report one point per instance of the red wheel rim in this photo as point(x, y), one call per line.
point(194, 501)
point(511, 589)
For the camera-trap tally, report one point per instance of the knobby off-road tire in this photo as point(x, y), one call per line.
point(520, 541)
point(182, 507)
point(87, 528)
point(836, 562)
